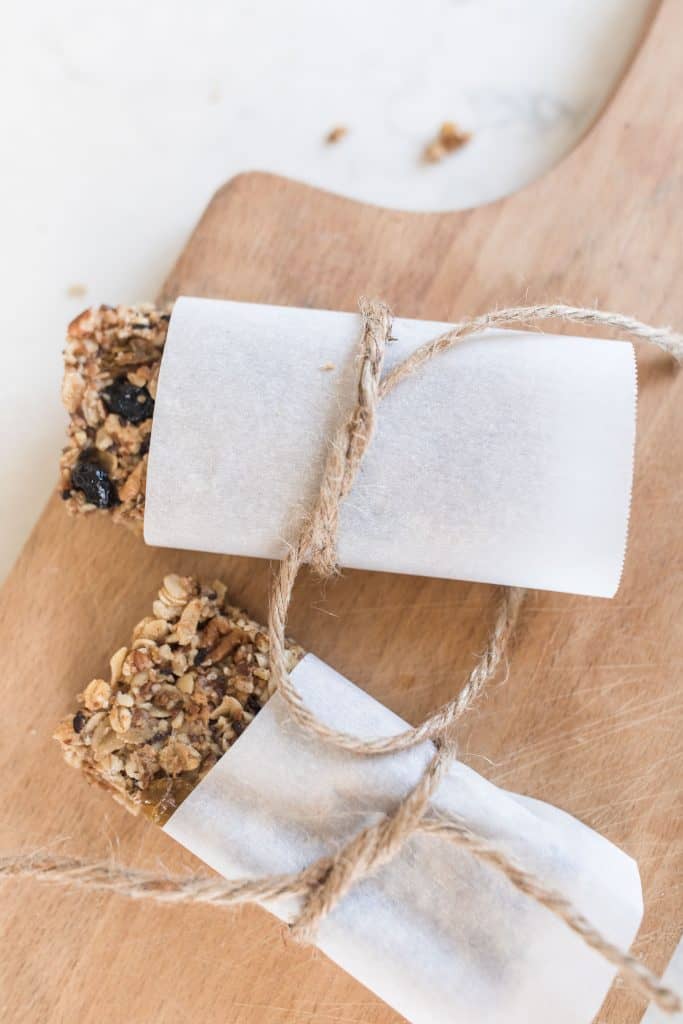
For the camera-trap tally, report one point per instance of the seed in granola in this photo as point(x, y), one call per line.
point(128, 401)
point(90, 478)
point(78, 721)
point(66, 494)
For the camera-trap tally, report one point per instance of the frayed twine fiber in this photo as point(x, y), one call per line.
point(324, 883)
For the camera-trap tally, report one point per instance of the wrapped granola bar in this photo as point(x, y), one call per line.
point(507, 460)
point(187, 730)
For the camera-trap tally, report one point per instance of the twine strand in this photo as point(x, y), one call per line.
point(324, 883)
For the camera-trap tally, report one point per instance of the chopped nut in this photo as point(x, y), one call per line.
point(135, 484)
point(177, 757)
point(120, 718)
point(104, 740)
point(176, 590)
point(155, 629)
point(97, 694)
point(226, 645)
point(187, 626)
point(73, 387)
point(179, 662)
point(228, 706)
point(186, 683)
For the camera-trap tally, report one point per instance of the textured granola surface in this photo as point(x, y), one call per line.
point(111, 367)
point(196, 673)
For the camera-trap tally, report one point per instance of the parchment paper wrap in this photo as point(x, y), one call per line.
point(507, 460)
point(437, 935)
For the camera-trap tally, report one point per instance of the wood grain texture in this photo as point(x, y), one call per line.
point(590, 716)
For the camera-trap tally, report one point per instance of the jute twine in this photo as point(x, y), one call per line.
point(324, 883)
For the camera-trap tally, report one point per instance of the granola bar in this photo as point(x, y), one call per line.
point(111, 367)
point(195, 674)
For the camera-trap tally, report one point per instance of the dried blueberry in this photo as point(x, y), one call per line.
point(252, 704)
point(128, 401)
point(144, 447)
point(88, 476)
point(79, 721)
point(201, 655)
point(66, 494)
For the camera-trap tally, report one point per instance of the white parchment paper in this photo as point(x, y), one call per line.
point(507, 460)
point(437, 935)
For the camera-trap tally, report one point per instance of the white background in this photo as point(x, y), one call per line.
point(120, 120)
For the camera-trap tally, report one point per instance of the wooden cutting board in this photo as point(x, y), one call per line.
point(590, 717)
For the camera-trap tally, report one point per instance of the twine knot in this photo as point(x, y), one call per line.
point(351, 443)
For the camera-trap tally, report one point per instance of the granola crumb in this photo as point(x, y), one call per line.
point(76, 291)
point(328, 366)
point(450, 138)
point(336, 134)
point(167, 716)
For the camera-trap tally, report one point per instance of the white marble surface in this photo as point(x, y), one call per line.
point(121, 119)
